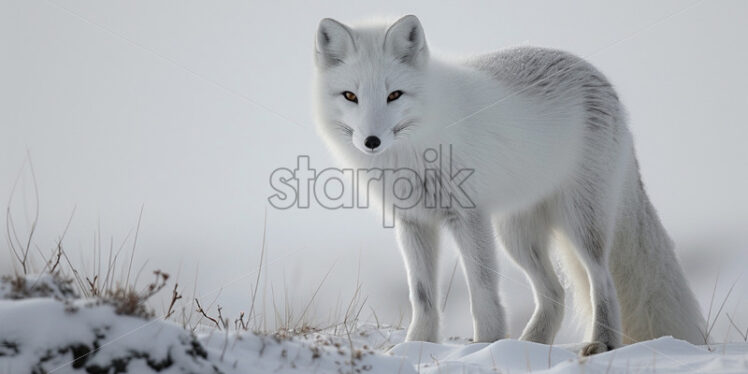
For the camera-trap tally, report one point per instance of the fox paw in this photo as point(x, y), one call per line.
point(594, 348)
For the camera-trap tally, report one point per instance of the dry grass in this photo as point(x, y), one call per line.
point(53, 274)
point(706, 332)
point(110, 279)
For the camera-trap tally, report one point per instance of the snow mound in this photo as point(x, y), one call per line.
point(663, 355)
point(44, 285)
point(43, 335)
point(64, 335)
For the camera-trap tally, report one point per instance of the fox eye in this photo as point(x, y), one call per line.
point(394, 95)
point(350, 96)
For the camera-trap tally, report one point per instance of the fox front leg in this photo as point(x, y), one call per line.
point(419, 246)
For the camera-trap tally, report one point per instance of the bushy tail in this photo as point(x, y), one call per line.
point(653, 293)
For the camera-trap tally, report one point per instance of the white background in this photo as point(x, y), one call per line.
point(185, 108)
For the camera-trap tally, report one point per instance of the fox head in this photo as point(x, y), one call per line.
point(369, 83)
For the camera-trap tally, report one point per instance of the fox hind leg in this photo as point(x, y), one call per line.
point(526, 238)
point(588, 231)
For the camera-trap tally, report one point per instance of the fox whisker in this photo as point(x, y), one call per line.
point(403, 126)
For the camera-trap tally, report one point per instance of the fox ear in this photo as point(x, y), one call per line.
point(334, 42)
point(406, 40)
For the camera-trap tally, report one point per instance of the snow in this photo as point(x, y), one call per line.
point(43, 285)
point(663, 355)
point(72, 335)
point(47, 335)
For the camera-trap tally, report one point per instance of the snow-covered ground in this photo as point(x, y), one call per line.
point(47, 330)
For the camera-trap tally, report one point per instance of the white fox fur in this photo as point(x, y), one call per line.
point(553, 161)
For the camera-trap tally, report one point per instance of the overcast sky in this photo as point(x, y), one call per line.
point(186, 107)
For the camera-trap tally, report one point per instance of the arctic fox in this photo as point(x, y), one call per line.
point(553, 162)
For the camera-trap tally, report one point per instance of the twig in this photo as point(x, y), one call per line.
point(134, 243)
point(314, 295)
point(174, 297)
point(742, 335)
point(36, 215)
point(259, 270)
point(724, 301)
point(201, 311)
point(449, 287)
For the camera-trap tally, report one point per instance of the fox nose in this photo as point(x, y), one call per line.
point(372, 142)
